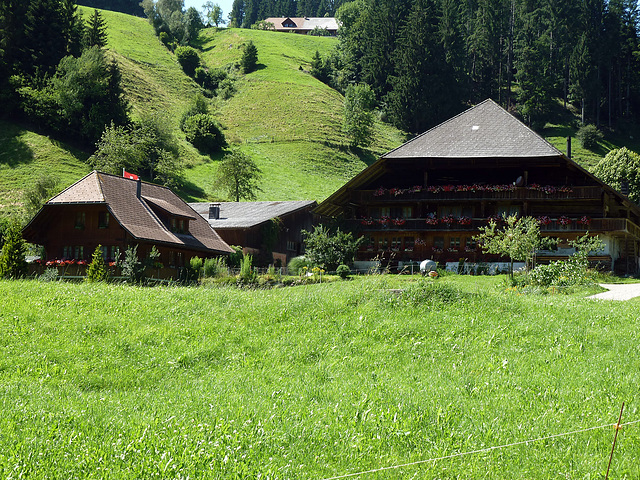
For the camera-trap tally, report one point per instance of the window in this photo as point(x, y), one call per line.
point(383, 244)
point(385, 212)
point(407, 212)
point(438, 242)
point(67, 251)
point(409, 243)
point(291, 246)
point(454, 242)
point(79, 252)
point(79, 220)
point(454, 210)
point(396, 243)
point(180, 259)
point(105, 252)
point(172, 258)
point(173, 224)
point(103, 220)
point(180, 226)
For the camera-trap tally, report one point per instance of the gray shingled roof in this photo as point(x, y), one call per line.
point(249, 214)
point(486, 130)
point(136, 214)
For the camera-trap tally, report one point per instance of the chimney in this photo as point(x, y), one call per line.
point(138, 187)
point(214, 211)
point(569, 147)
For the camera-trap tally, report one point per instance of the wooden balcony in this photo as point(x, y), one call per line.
point(517, 193)
point(595, 225)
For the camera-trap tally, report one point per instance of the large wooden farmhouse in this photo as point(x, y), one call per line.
point(428, 197)
point(115, 212)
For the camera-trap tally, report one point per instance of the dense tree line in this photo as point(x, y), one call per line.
point(245, 13)
point(54, 72)
point(171, 22)
point(132, 7)
point(426, 59)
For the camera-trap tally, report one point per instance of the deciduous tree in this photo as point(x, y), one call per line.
point(239, 176)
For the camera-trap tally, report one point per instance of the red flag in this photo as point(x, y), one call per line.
point(128, 175)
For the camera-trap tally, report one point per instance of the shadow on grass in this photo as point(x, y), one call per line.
point(190, 192)
point(13, 151)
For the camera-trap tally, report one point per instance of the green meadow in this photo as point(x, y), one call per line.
point(316, 381)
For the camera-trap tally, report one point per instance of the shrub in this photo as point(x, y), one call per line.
point(204, 132)
point(247, 274)
point(296, 264)
point(343, 271)
point(328, 249)
point(589, 136)
point(194, 269)
point(235, 259)
point(215, 267)
point(49, 275)
point(97, 270)
point(131, 266)
point(12, 261)
point(226, 89)
point(188, 59)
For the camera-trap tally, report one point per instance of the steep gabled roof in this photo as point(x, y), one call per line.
point(138, 215)
point(249, 214)
point(304, 23)
point(486, 130)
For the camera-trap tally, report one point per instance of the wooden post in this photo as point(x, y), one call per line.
point(617, 427)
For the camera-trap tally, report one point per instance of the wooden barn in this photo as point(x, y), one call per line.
point(116, 212)
point(428, 197)
point(272, 231)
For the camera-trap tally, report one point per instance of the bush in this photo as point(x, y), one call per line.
point(589, 136)
point(328, 249)
point(247, 274)
point(226, 89)
point(131, 266)
point(215, 267)
point(97, 270)
point(204, 132)
point(12, 261)
point(296, 264)
point(188, 59)
point(343, 271)
point(194, 269)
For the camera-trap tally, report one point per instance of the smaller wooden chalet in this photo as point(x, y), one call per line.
point(269, 229)
point(115, 212)
point(303, 25)
point(428, 197)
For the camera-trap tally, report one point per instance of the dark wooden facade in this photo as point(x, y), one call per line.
point(118, 213)
point(411, 207)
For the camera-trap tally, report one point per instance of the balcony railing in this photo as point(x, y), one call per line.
point(515, 193)
point(595, 225)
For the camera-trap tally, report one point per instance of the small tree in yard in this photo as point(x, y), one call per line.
point(518, 240)
point(12, 261)
point(328, 250)
point(239, 175)
point(249, 59)
point(97, 270)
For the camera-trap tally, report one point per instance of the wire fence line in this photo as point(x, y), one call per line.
point(482, 450)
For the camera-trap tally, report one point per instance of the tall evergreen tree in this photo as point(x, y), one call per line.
point(423, 89)
point(44, 40)
point(96, 31)
point(236, 16)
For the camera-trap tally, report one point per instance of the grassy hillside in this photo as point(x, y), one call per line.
point(25, 156)
point(286, 120)
point(315, 382)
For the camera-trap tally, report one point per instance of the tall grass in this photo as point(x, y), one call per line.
point(112, 381)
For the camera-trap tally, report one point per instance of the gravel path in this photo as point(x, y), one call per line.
point(618, 291)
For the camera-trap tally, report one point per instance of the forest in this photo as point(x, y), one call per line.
point(427, 59)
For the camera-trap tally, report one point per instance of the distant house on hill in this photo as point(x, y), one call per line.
point(303, 25)
point(261, 227)
point(428, 197)
point(115, 212)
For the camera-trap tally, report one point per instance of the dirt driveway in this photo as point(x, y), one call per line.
point(618, 291)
